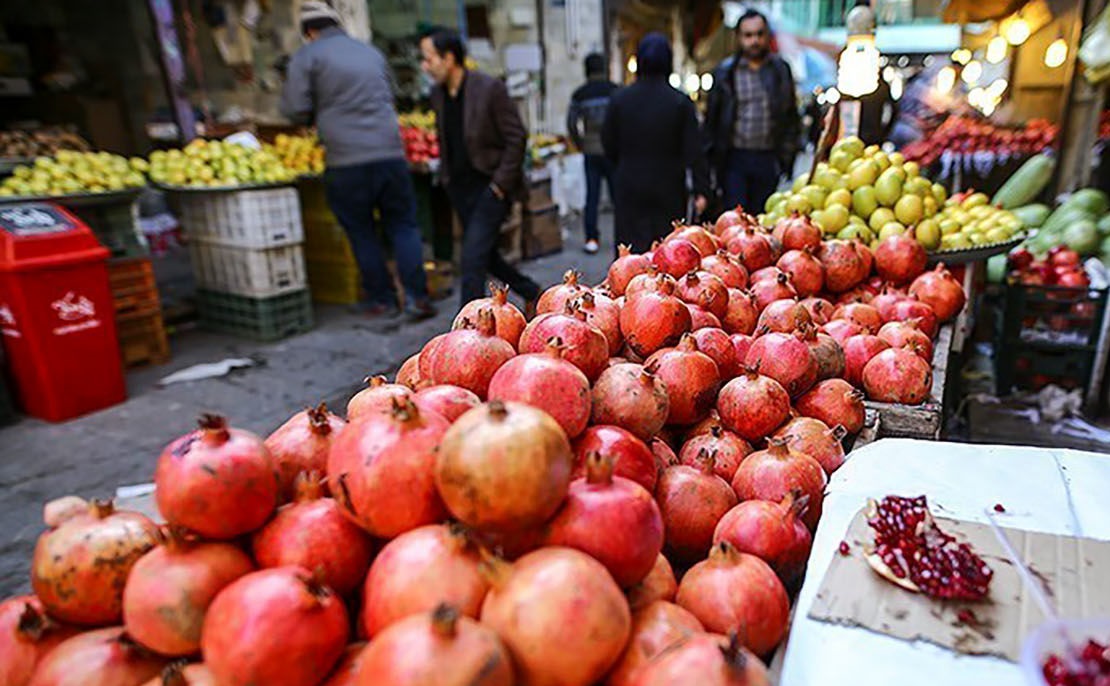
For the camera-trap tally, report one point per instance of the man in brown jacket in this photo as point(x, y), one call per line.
point(481, 142)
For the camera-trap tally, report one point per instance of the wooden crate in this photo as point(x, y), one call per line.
point(142, 338)
point(541, 233)
point(919, 421)
point(134, 288)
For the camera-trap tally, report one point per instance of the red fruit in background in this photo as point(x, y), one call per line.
point(612, 519)
point(865, 315)
point(585, 345)
point(691, 378)
point(629, 396)
point(376, 397)
point(79, 569)
point(692, 500)
point(449, 402)
point(624, 268)
point(555, 299)
point(797, 232)
point(345, 672)
point(868, 257)
point(766, 291)
point(302, 444)
point(718, 346)
point(105, 657)
point(547, 382)
point(508, 321)
point(380, 470)
point(753, 248)
point(469, 357)
point(503, 467)
point(537, 607)
point(728, 450)
point(659, 584)
point(806, 272)
point(827, 353)
point(820, 310)
point(170, 589)
point(440, 648)
point(899, 259)
point(238, 639)
point(727, 268)
point(898, 375)
point(420, 569)
point(753, 405)
point(773, 473)
point(735, 591)
point(783, 316)
point(1072, 278)
point(885, 301)
point(655, 628)
point(653, 320)
point(912, 308)
point(676, 257)
point(703, 240)
point(706, 660)
point(216, 481)
point(27, 636)
point(1064, 256)
point(841, 330)
point(786, 358)
point(836, 403)
point(813, 437)
point(700, 319)
point(844, 264)
point(941, 291)
point(1020, 258)
point(604, 314)
point(632, 458)
point(742, 313)
point(771, 531)
point(858, 351)
point(901, 334)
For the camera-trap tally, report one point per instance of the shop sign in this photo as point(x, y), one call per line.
point(33, 220)
point(78, 313)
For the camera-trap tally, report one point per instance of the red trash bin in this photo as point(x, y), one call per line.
point(57, 316)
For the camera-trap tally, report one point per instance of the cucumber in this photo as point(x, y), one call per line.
point(1062, 216)
point(1032, 216)
point(1026, 183)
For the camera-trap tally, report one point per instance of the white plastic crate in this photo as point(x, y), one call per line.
point(257, 219)
point(244, 271)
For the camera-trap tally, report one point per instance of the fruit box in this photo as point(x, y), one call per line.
point(1052, 314)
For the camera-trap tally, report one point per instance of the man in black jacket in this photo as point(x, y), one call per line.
point(585, 118)
point(751, 121)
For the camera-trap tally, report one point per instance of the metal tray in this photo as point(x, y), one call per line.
point(78, 199)
point(189, 190)
point(979, 252)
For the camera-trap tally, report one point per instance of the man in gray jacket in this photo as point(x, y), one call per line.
point(343, 86)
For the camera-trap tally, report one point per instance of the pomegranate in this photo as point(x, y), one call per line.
point(771, 273)
point(783, 316)
point(806, 272)
point(704, 241)
point(729, 218)
point(797, 232)
point(655, 628)
point(562, 617)
point(912, 308)
point(742, 313)
point(885, 301)
point(631, 397)
point(691, 378)
point(727, 268)
point(704, 427)
point(715, 343)
point(420, 569)
point(27, 636)
point(845, 266)
point(654, 320)
point(704, 290)
point(376, 397)
point(469, 357)
point(184, 674)
point(753, 248)
point(753, 405)
point(766, 291)
point(820, 310)
point(601, 504)
point(508, 320)
point(503, 466)
point(554, 299)
point(941, 291)
point(301, 444)
point(216, 481)
point(625, 268)
point(632, 458)
point(105, 657)
point(409, 373)
point(346, 672)
point(740, 343)
point(651, 280)
point(663, 453)
point(858, 351)
point(827, 353)
point(659, 584)
point(238, 639)
point(427, 353)
point(692, 500)
point(836, 403)
point(865, 315)
point(79, 569)
point(772, 473)
point(907, 333)
point(771, 531)
point(586, 347)
point(380, 470)
point(813, 437)
point(676, 257)
point(60, 510)
point(313, 533)
point(547, 382)
point(701, 319)
point(604, 314)
point(898, 375)
point(706, 660)
point(727, 449)
point(786, 358)
point(170, 588)
point(449, 402)
point(900, 259)
point(841, 330)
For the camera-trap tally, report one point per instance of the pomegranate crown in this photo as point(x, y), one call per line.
point(214, 426)
point(445, 619)
point(318, 419)
point(308, 485)
point(33, 623)
point(599, 468)
point(706, 460)
point(570, 277)
point(498, 293)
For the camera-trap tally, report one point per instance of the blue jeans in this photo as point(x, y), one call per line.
point(751, 176)
point(597, 167)
point(353, 193)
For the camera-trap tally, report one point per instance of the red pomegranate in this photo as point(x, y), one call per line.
point(771, 531)
point(105, 657)
point(659, 584)
point(907, 333)
point(170, 588)
point(741, 343)
point(700, 319)
point(60, 510)
point(692, 500)
point(797, 232)
point(190, 674)
point(508, 320)
point(742, 313)
point(806, 272)
point(753, 248)
point(900, 259)
point(469, 357)
point(783, 316)
point(586, 347)
point(604, 314)
point(554, 299)
point(629, 396)
point(216, 481)
point(691, 378)
point(409, 373)
point(653, 320)
point(898, 375)
point(912, 308)
point(813, 437)
point(826, 352)
point(79, 569)
point(376, 397)
point(718, 346)
point(380, 470)
point(766, 291)
point(772, 473)
point(820, 310)
point(547, 382)
point(729, 218)
point(655, 628)
point(651, 280)
point(238, 639)
point(865, 315)
point(728, 450)
point(727, 268)
point(562, 617)
point(941, 291)
point(449, 402)
point(703, 240)
point(753, 405)
point(706, 660)
point(836, 403)
point(625, 268)
point(420, 569)
point(346, 671)
point(704, 290)
point(860, 294)
point(786, 358)
point(858, 351)
point(27, 636)
point(301, 444)
point(676, 257)
point(841, 330)
point(601, 504)
point(885, 301)
point(663, 453)
point(845, 266)
point(503, 466)
point(771, 273)
point(632, 458)
point(313, 533)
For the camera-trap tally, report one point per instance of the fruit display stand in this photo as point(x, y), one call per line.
point(113, 216)
point(922, 421)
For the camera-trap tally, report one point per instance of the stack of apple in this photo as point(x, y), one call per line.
point(418, 133)
point(965, 135)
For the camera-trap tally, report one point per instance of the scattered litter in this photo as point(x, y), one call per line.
point(207, 370)
point(134, 491)
point(1054, 402)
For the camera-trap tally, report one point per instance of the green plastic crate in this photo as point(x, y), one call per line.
point(262, 319)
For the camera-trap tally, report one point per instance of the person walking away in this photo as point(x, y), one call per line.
point(343, 86)
point(650, 137)
point(585, 118)
point(482, 140)
point(751, 124)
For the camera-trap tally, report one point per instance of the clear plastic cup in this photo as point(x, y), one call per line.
point(1053, 637)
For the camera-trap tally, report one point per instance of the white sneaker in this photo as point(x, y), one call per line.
point(591, 247)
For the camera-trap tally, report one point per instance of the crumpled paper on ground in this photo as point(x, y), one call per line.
point(206, 370)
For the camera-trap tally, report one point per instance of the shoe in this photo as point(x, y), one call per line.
point(419, 310)
point(591, 247)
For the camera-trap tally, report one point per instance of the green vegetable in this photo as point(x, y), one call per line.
point(1032, 216)
point(996, 268)
point(1026, 183)
point(1104, 225)
point(1082, 237)
point(1092, 199)
point(1064, 216)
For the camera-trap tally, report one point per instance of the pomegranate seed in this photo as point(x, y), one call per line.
point(998, 507)
point(844, 549)
point(1093, 663)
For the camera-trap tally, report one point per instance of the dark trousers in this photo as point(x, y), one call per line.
point(353, 193)
point(751, 176)
point(481, 214)
point(597, 168)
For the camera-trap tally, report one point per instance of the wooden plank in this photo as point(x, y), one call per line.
point(924, 420)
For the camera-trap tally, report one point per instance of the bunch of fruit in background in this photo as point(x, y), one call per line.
point(213, 164)
point(301, 154)
point(964, 135)
point(70, 172)
point(866, 194)
point(418, 134)
point(1081, 223)
point(41, 142)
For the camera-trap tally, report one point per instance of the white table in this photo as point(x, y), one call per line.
point(1046, 490)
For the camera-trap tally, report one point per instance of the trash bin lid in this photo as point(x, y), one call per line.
point(41, 235)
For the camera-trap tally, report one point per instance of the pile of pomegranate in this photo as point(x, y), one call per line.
point(966, 135)
point(620, 491)
point(1089, 667)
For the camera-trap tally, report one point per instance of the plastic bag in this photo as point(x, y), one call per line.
point(1094, 50)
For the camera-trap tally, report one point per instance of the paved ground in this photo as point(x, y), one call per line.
point(92, 455)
